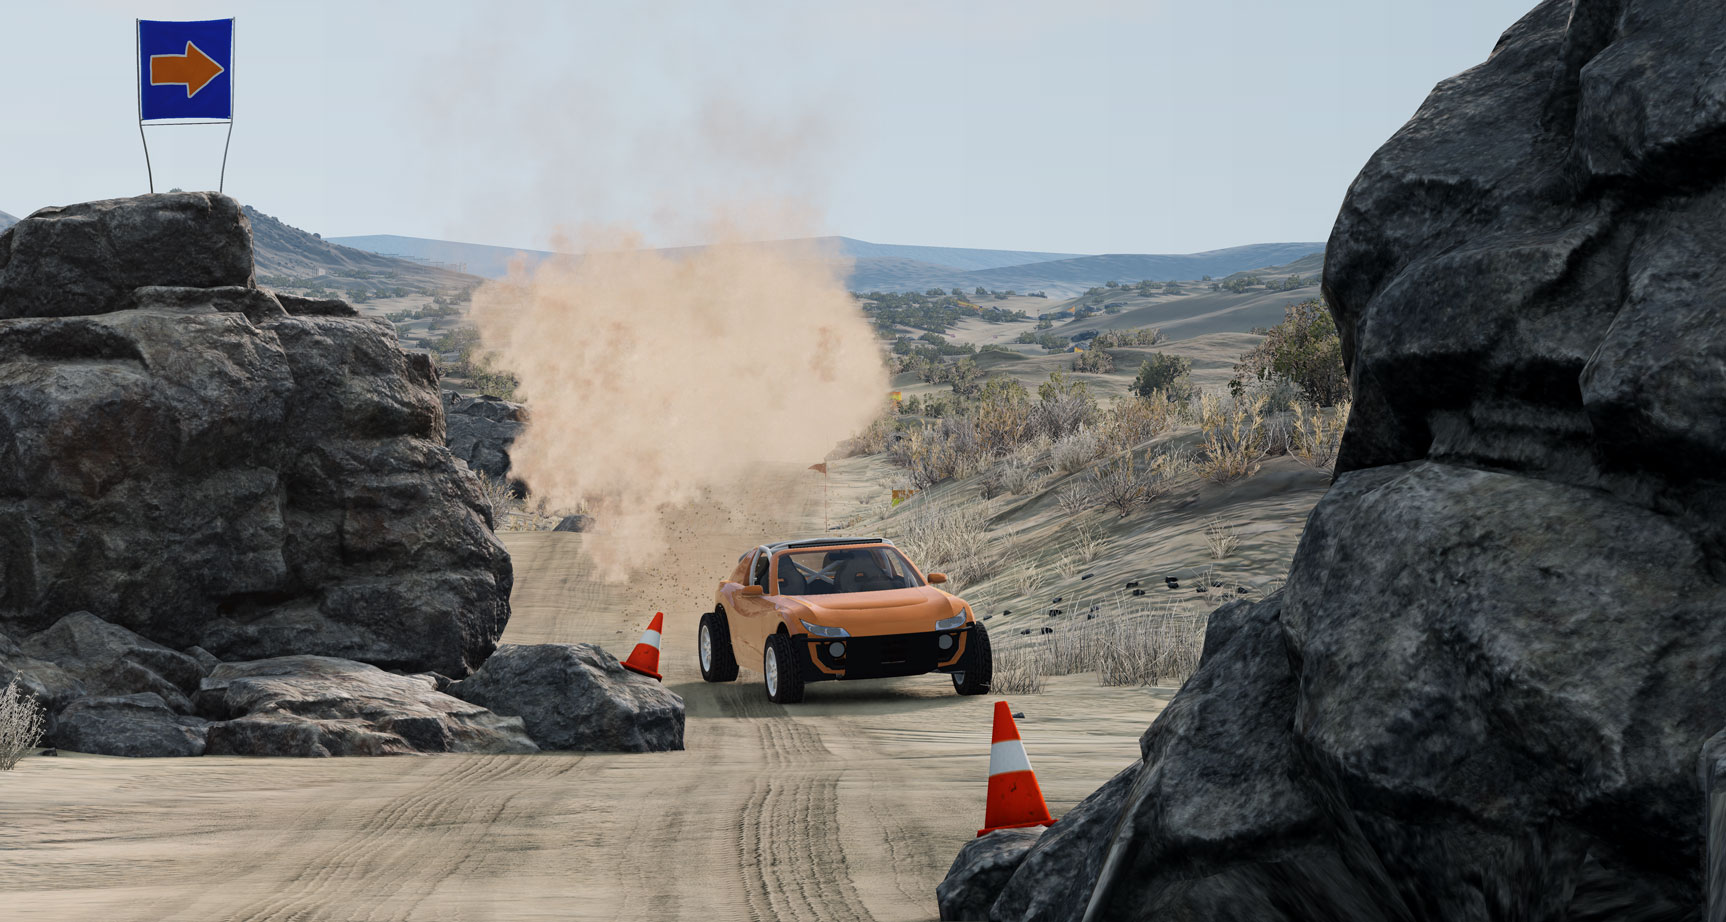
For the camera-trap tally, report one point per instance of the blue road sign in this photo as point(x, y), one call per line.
point(185, 70)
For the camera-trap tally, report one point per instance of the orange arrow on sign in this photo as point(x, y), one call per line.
point(194, 69)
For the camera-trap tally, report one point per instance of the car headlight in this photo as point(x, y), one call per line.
point(947, 624)
point(822, 630)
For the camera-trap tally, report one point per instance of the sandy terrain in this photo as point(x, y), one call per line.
point(849, 806)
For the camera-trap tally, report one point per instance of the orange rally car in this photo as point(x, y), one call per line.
point(839, 608)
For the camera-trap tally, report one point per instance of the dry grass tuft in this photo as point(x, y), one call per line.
point(1088, 543)
point(1016, 672)
point(1223, 540)
point(1139, 647)
point(1236, 438)
point(1029, 578)
point(1017, 475)
point(1075, 499)
point(20, 724)
point(952, 538)
point(1314, 437)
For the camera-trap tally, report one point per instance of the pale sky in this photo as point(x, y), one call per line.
point(1085, 126)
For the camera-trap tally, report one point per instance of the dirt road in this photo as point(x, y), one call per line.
point(849, 806)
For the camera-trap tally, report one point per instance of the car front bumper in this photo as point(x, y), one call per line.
point(881, 656)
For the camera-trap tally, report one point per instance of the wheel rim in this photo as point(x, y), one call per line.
point(706, 650)
point(958, 678)
point(772, 670)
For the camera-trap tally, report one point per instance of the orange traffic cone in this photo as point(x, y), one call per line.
point(1015, 800)
point(645, 659)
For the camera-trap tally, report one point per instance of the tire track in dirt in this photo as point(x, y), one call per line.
point(442, 821)
point(789, 842)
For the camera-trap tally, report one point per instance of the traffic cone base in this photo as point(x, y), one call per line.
point(1015, 798)
point(645, 658)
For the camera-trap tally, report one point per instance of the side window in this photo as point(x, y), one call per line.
point(761, 564)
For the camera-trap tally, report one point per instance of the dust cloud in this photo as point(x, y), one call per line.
point(662, 378)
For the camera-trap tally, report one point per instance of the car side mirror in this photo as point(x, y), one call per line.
point(937, 578)
point(752, 590)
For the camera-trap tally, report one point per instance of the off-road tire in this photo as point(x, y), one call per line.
point(714, 636)
point(779, 667)
point(978, 663)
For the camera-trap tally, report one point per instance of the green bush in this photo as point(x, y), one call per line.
point(1306, 349)
point(1162, 372)
point(1095, 361)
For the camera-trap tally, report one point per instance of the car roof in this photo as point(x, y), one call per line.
point(824, 542)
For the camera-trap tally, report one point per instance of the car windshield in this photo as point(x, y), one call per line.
point(849, 569)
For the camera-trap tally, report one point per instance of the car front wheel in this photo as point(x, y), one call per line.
point(779, 665)
point(713, 648)
point(977, 667)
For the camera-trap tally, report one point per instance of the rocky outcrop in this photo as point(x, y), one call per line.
point(577, 696)
point(89, 258)
point(322, 706)
point(481, 430)
point(106, 659)
point(137, 726)
point(1486, 690)
point(984, 865)
point(190, 458)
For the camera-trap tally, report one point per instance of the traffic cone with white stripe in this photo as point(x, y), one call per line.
point(1015, 800)
point(645, 658)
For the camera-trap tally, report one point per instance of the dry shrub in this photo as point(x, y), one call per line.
point(1063, 407)
point(502, 495)
point(949, 537)
point(992, 483)
point(1073, 452)
point(1222, 540)
point(1016, 672)
point(1118, 484)
point(940, 452)
point(1123, 486)
point(1315, 437)
point(20, 724)
point(1133, 421)
point(1074, 499)
point(1140, 647)
point(1002, 415)
point(871, 441)
point(1236, 438)
point(1017, 475)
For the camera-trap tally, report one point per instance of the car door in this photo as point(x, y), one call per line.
point(756, 615)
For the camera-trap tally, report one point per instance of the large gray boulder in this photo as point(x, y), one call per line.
point(108, 660)
point(984, 865)
point(207, 468)
point(89, 258)
point(322, 706)
point(1486, 690)
point(577, 696)
point(481, 429)
point(138, 726)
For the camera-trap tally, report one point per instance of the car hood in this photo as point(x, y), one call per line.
point(892, 611)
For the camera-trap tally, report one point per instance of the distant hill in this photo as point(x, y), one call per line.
point(6, 220)
point(493, 261)
point(890, 267)
point(286, 252)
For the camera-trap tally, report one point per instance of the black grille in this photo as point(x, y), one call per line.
point(896, 650)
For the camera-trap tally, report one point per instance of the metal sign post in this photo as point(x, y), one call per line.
point(185, 77)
